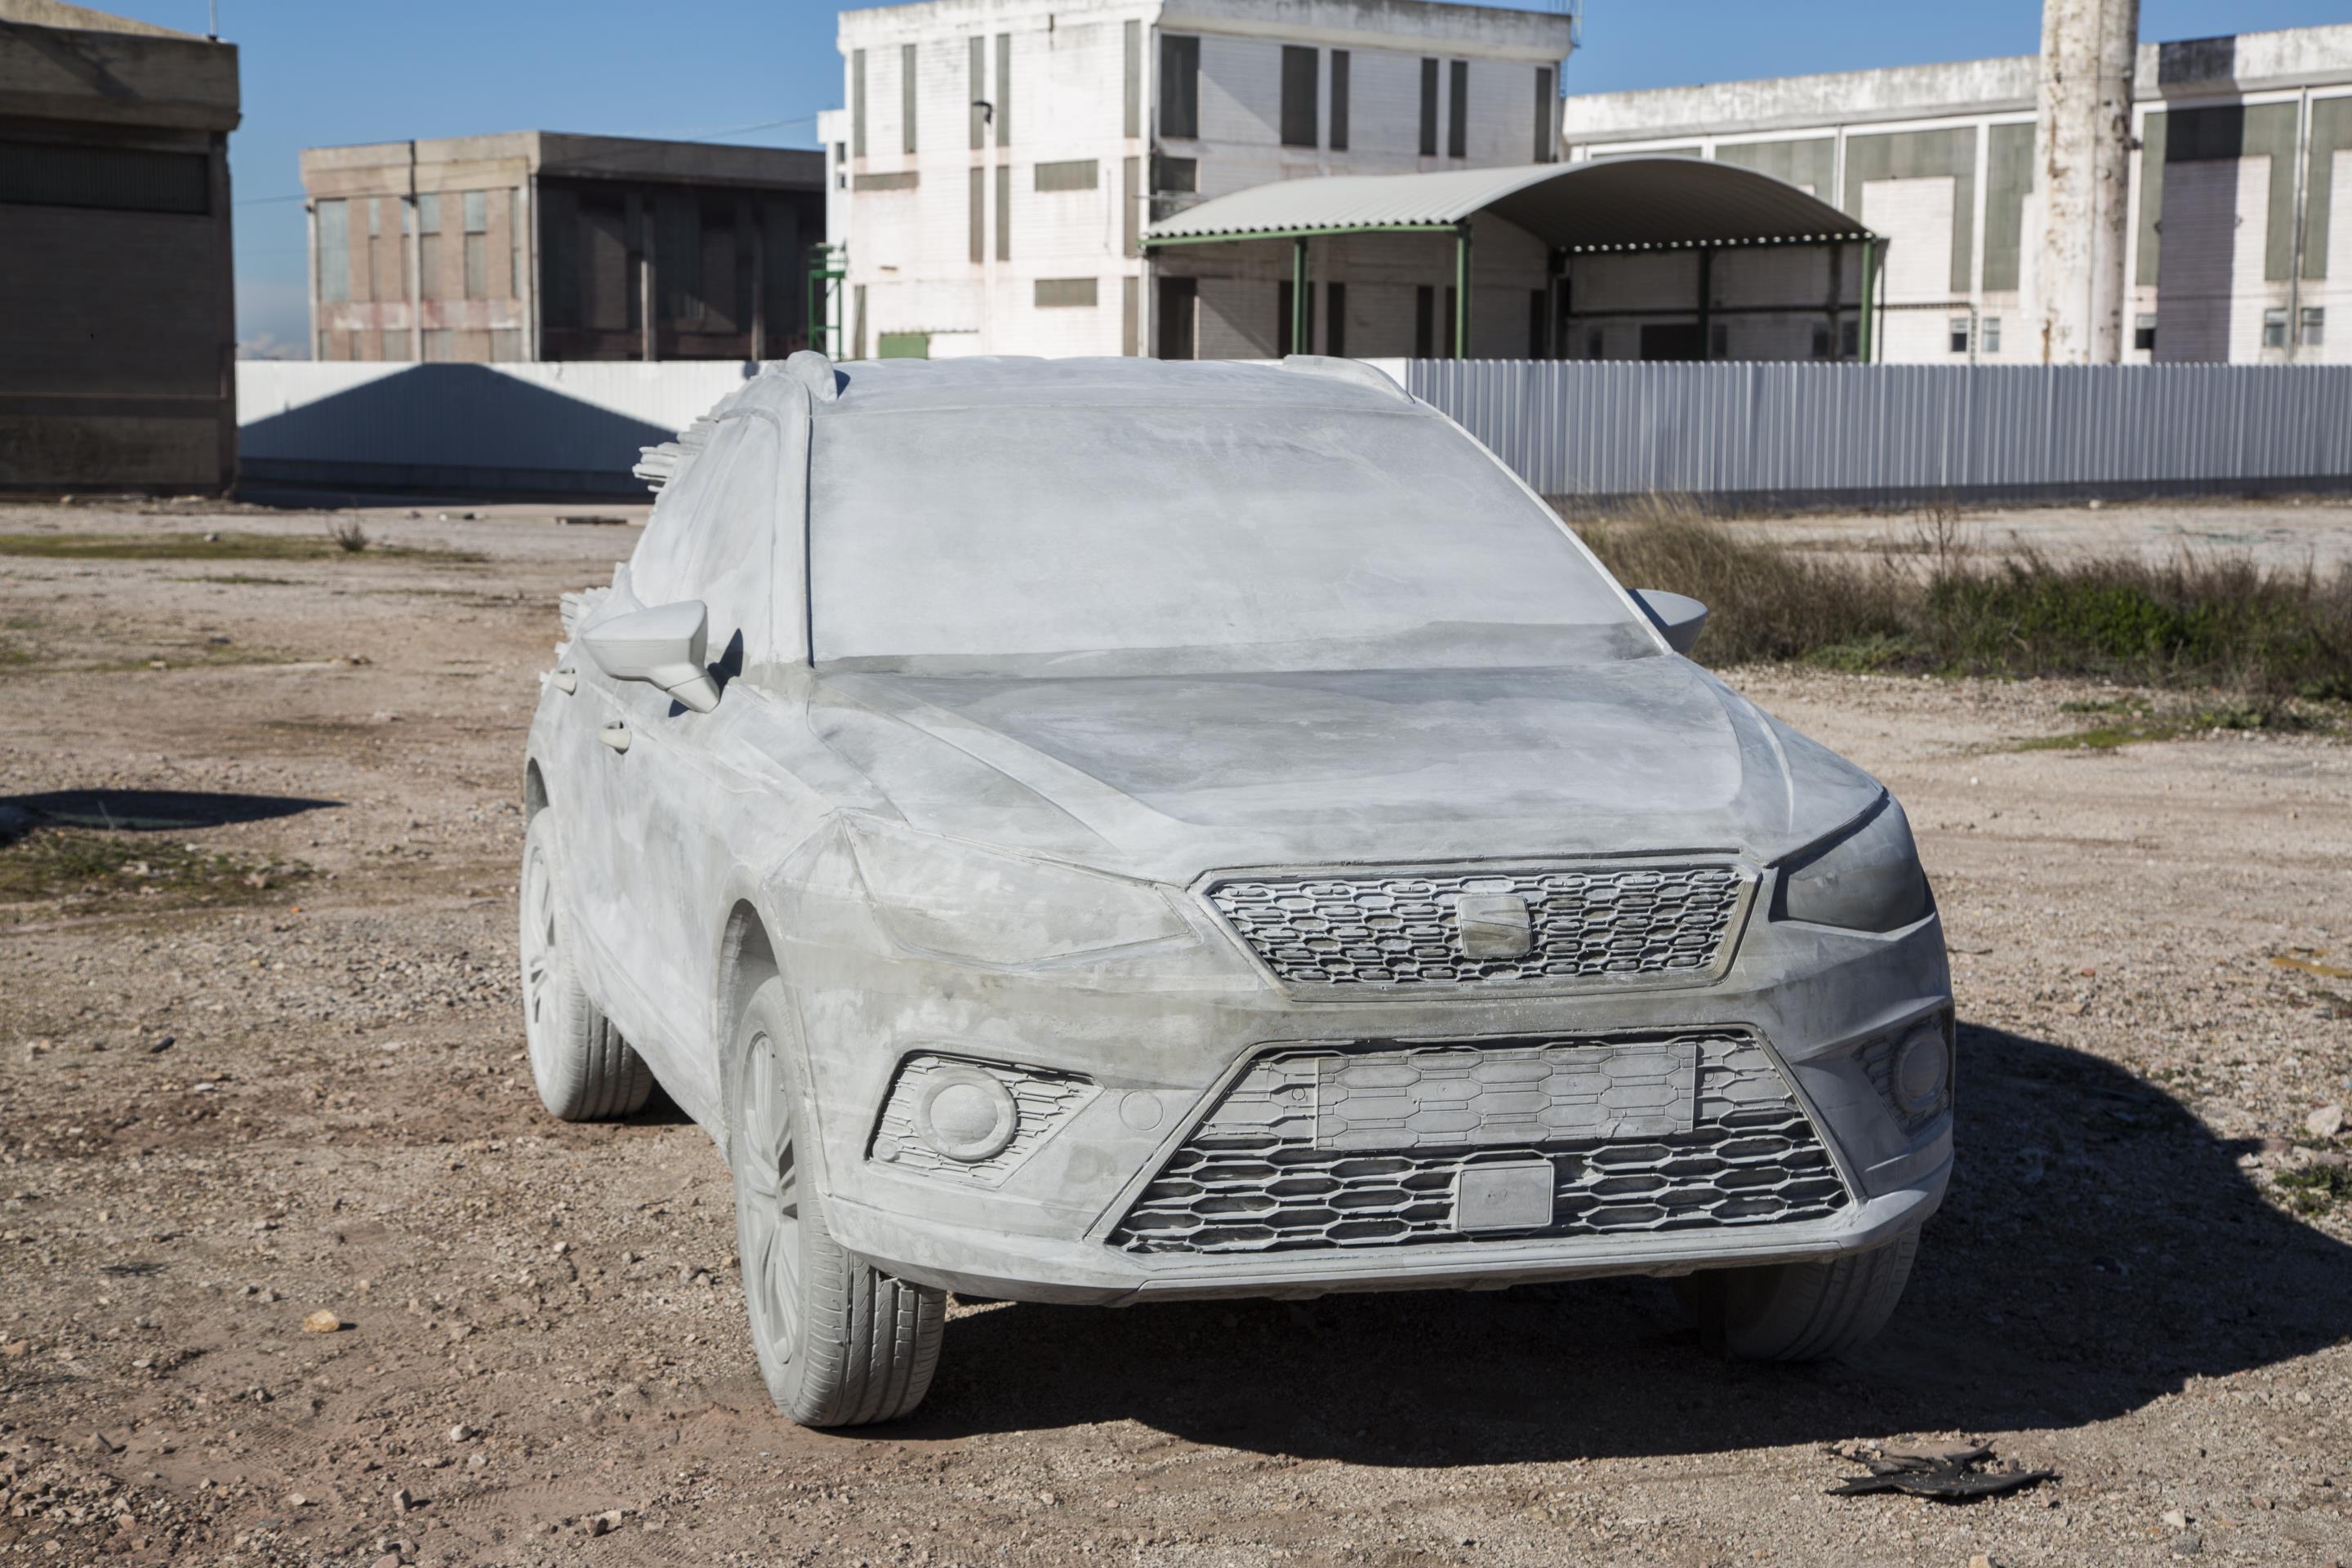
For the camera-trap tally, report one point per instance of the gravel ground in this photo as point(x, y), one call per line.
point(542, 1357)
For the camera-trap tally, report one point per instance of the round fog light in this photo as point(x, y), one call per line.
point(1920, 1064)
point(965, 1114)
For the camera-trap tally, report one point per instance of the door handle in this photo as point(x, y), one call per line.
point(566, 680)
point(615, 735)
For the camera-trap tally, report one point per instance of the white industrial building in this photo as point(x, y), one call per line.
point(2241, 198)
point(999, 162)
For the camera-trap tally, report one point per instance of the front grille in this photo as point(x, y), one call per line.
point(1328, 1147)
point(1593, 925)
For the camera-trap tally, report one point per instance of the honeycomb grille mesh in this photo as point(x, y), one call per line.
point(1040, 1099)
point(1319, 1147)
point(1617, 923)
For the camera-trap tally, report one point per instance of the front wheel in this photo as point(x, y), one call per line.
point(1800, 1311)
point(840, 1343)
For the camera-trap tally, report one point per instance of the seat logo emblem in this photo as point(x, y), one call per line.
point(1494, 925)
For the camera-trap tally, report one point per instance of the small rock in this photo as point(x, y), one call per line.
point(2325, 1123)
point(322, 1322)
point(460, 1431)
point(2174, 1519)
point(405, 1502)
point(296, 1500)
point(1981, 1561)
point(389, 1559)
point(2188, 1543)
point(606, 1522)
point(165, 1044)
point(99, 1442)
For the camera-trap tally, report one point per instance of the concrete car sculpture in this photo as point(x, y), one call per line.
point(1092, 831)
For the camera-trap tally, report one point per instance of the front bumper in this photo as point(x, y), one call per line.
point(1161, 1050)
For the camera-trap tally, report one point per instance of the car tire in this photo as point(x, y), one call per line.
point(840, 1343)
point(584, 1069)
point(1800, 1311)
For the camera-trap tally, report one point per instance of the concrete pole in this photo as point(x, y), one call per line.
point(2083, 164)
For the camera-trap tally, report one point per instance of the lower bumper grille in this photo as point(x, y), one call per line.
point(1493, 1139)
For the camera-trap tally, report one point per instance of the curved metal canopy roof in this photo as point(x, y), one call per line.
point(1615, 203)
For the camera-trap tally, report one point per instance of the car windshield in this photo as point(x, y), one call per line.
point(1020, 540)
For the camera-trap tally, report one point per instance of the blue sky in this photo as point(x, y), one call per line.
point(323, 72)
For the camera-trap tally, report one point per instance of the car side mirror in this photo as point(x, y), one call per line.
point(1679, 616)
point(663, 647)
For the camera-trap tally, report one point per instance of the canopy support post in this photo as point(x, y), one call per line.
point(1302, 303)
point(1707, 303)
point(1462, 290)
point(1869, 289)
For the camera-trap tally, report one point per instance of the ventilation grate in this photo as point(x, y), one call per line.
point(1396, 1145)
point(1592, 926)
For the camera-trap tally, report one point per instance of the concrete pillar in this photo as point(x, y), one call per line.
point(2083, 166)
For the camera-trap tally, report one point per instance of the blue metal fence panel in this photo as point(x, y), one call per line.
point(1900, 432)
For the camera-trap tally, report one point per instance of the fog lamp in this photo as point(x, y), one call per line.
point(964, 1114)
point(1921, 1065)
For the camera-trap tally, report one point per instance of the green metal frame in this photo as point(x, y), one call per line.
point(827, 264)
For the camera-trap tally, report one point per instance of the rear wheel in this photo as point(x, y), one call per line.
point(1800, 1311)
point(584, 1069)
point(840, 1343)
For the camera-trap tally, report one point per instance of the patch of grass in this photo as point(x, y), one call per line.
point(2143, 721)
point(349, 536)
point(81, 865)
point(2314, 1189)
point(214, 547)
point(2211, 623)
point(241, 580)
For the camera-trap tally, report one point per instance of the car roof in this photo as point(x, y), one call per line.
point(895, 386)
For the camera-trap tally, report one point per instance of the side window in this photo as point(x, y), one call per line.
point(731, 560)
point(657, 568)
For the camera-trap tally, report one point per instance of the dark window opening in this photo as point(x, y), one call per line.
point(1429, 109)
point(1424, 322)
point(1179, 89)
point(1299, 80)
point(1545, 149)
point(1338, 101)
point(1335, 320)
point(1457, 111)
point(1176, 317)
point(1536, 334)
point(117, 179)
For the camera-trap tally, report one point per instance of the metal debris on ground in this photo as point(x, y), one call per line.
point(1951, 1472)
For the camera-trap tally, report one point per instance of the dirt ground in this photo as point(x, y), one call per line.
point(272, 1066)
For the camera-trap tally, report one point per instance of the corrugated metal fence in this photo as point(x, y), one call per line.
point(1804, 433)
point(1801, 434)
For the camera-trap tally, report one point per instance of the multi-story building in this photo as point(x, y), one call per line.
point(118, 316)
point(998, 161)
point(534, 246)
point(2241, 238)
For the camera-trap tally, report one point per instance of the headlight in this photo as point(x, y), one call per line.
point(937, 896)
point(1868, 880)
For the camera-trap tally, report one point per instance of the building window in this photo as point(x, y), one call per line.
point(1179, 89)
point(1457, 110)
point(2274, 329)
point(1592, 345)
point(895, 180)
point(437, 345)
point(1131, 205)
point(478, 242)
point(1076, 174)
point(1536, 324)
point(1298, 93)
point(2144, 334)
point(2315, 327)
point(1339, 141)
point(120, 179)
point(1131, 59)
point(979, 216)
point(907, 96)
point(1424, 322)
point(1002, 103)
point(976, 89)
point(428, 250)
point(1958, 329)
point(1849, 340)
point(1335, 320)
point(334, 220)
point(1821, 339)
point(858, 103)
point(1173, 178)
point(1429, 109)
point(1989, 335)
point(1547, 147)
point(1005, 212)
point(1718, 339)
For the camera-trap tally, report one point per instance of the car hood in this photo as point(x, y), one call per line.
point(1171, 776)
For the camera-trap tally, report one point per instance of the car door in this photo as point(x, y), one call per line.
point(671, 791)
